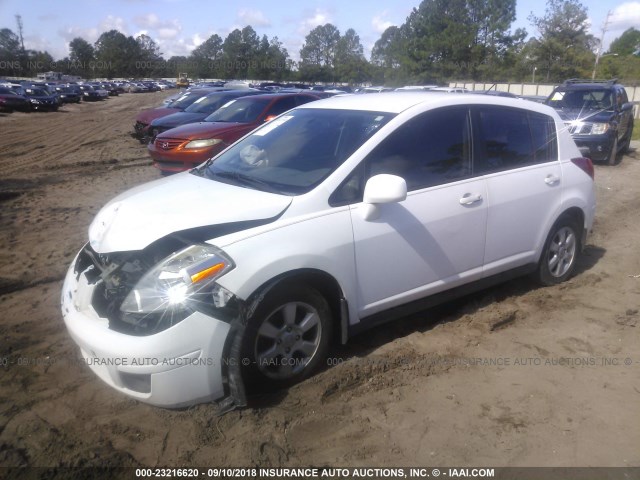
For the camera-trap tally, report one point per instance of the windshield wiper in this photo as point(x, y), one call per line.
point(243, 179)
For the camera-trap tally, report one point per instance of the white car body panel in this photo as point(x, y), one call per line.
point(442, 241)
point(188, 200)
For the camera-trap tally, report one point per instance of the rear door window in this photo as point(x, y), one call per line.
point(510, 138)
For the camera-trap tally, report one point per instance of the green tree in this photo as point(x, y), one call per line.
point(317, 55)
point(388, 57)
point(81, 58)
point(491, 22)
point(271, 60)
point(249, 52)
point(150, 58)
point(439, 43)
point(10, 52)
point(350, 64)
point(116, 55)
point(207, 56)
point(38, 62)
point(563, 47)
point(233, 50)
point(626, 44)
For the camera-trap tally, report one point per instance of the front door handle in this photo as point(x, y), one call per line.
point(470, 198)
point(551, 179)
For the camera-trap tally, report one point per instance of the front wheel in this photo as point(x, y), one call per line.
point(286, 338)
point(613, 156)
point(560, 252)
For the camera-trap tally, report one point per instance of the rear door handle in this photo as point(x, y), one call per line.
point(470, 198)
point(551, 179)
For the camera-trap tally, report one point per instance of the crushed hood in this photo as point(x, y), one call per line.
point(146, 116)
point(178, 118)
point(144, 214)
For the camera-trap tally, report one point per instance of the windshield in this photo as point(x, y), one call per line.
point(243, 110)
point(37, 92)
point(295, 152)
point(208, 104)
point(186, 100)
point(596, 99)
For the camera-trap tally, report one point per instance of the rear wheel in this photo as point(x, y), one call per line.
point(613, 156)
point(286, 338)
point(560, 252)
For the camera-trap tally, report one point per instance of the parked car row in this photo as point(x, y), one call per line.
point(27, 96)
point(206, 119)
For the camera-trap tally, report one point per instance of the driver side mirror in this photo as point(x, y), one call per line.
point(380, 189)
point(626, 106)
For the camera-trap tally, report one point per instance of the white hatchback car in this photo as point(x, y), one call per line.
point(333, 217)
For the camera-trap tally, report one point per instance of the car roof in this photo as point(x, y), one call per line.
point(276, 96)
point(585, 86)
point(397, 102)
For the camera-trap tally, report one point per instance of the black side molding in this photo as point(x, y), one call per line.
point(438, 298)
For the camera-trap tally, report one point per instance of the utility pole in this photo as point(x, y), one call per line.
point(604, 31)
point(20, 30)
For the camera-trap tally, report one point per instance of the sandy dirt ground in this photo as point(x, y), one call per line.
point(517, 375)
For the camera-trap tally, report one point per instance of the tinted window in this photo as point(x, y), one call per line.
point(512, 138)
point(283, 105)
point(543, 137)
point(243, 110)
point(431, 149)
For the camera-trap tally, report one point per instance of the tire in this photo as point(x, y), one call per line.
point(286, 338)
point(560, 253)
point(613, 156)
point(627, 142)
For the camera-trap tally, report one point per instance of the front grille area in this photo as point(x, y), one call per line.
point(168, 143)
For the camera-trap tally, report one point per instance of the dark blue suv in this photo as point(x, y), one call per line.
point(598, 115)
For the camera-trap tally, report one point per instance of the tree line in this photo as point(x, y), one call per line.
point(440, 41)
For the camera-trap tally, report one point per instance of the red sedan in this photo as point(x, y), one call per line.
point(186, 146)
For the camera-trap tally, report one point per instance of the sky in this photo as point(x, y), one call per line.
point(178, 26)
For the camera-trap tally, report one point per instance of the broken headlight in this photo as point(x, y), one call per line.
point(178, 280)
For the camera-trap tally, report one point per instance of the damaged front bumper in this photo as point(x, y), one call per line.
point(191, 362)
point(141, 132)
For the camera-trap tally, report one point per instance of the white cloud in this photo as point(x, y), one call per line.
point(255, 18)
point(379, 23)
point(311, 21)
point(158, 28)
point(113, 23)
point(180, 46)
point(625, 16)
point(150, 20)
point(36, 42)
point(140, 32)
point(88, 34)
point(168, 33)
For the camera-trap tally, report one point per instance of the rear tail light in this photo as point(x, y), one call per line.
point(585, 164)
